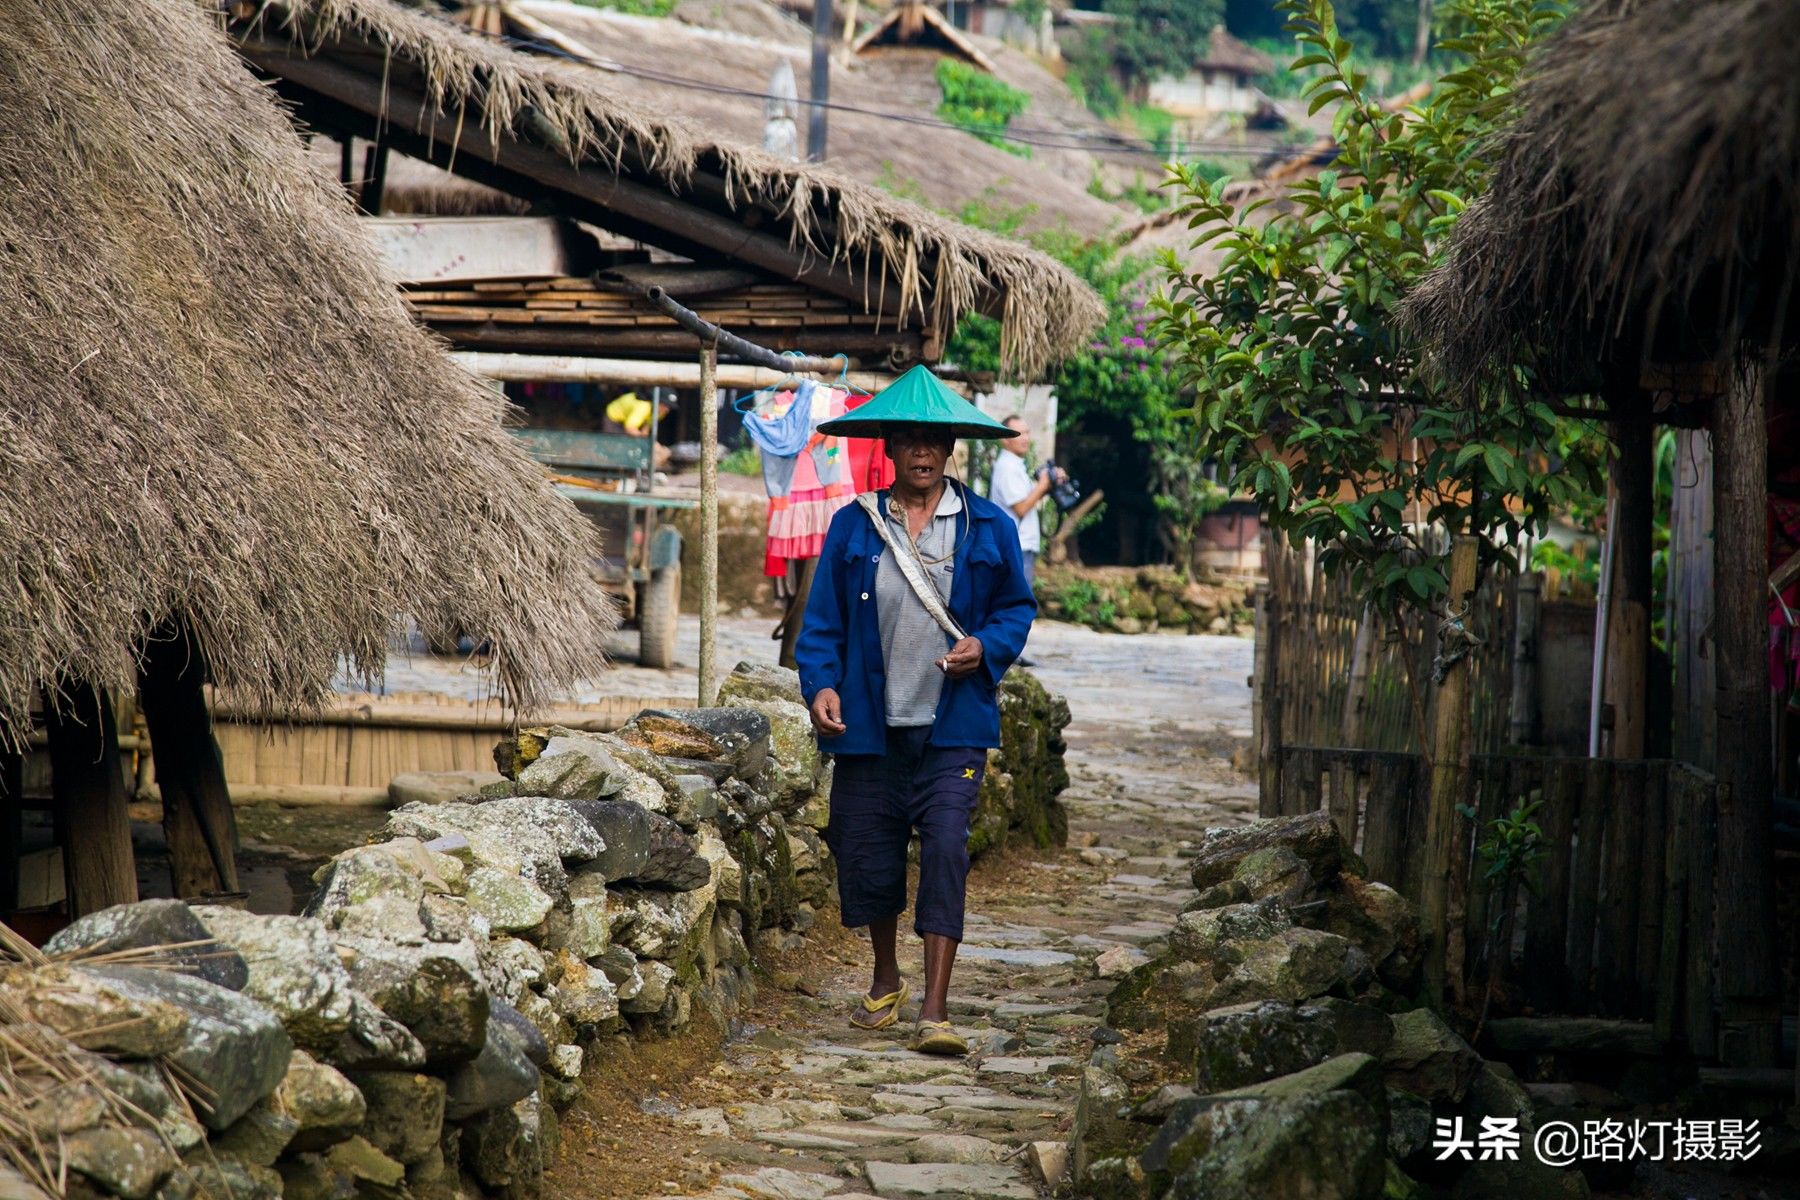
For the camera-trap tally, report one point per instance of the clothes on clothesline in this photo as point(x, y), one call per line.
point(808, 478)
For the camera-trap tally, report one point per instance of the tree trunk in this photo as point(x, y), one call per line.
point(197, 817)
point(87, 787)
point(1748, 993)
point(1422, 33)
point(1446, 860)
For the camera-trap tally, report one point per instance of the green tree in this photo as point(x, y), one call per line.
point(1160, 37)
point(1310, 394)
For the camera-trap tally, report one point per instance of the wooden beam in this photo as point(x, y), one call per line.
point(197, 817)
point(867, 348)
point(565, 368)
point(1628, 628)
point(1748, 981)
point(413, 126)
point(87, 788)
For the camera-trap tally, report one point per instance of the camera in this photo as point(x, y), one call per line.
point(1066, 494)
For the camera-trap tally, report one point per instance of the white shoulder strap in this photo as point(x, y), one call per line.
point(906, 557)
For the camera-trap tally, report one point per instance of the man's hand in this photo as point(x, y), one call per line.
point(962, 660)
point(828, 713)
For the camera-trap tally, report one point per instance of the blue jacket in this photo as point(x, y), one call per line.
point(840, 639)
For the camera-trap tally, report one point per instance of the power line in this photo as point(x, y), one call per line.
point(1093, 143)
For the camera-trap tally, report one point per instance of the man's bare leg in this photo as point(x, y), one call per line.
point(887, 966)
point(940, 957)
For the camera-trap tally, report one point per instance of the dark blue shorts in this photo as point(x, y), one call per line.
point(876, 803)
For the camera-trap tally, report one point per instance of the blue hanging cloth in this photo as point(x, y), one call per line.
point(786, 435)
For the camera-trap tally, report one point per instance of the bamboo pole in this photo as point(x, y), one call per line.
point(709, 521)
point(1628, 629)
point(1444, 867)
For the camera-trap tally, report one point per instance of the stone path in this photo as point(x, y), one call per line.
point(817, 1108)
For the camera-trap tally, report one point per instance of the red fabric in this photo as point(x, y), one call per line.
point(868, 470)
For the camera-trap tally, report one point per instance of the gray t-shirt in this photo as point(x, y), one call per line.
point(911, 642)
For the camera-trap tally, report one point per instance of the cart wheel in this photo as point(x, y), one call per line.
point(659, 606)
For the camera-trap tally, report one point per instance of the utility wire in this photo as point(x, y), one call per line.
point(1052, 139)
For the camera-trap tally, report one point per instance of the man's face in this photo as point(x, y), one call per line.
point(919, 454)
point(1018, 445)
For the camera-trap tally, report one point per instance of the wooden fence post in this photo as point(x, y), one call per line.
point(1524, 715)
point(1748, 981)
point(1271, 606)
point(1446, 859)
point(709, 523)
point(1628, 628)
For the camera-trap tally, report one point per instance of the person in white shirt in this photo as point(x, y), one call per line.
point(1012, 487)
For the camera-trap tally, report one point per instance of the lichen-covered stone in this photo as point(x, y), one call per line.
point(128, 1163)
point(148, 925)
point(405, 1113)
point(510, 903)
point(792, 772)
point(1428, 1059)
point(293, 967)
point(325, 1106)
point(1250, 1043)
point(97, 1013)
point(759, 681)
point(735, 736)
point(494, 1079)
point(625, 828)
point(230, 1044)
point(435, 991)
point(1312, 838)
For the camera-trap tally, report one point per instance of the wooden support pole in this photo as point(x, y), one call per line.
point(1628, 629)
point(632, 372)
point(709, 522)
point(1446, 862)
point(1748, 991)
point(197, 817)
point(87, 787)
point(1525, 716)
point(12, 825)
point(796, 612)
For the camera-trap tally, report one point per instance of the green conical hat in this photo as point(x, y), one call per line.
point(917, 398)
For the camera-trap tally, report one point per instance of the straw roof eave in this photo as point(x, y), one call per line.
point(215, 413)
point(938, 268)
point(1641, 204)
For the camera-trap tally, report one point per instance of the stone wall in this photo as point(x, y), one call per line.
point(419, 1027)
point(1285, 1006)
point(1026, 775)
point(1145, 600)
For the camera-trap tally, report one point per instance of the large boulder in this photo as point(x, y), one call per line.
point(293, 967)
point(230, 1045)
point(167, 926)
point(1312, 838)
point(736, 737)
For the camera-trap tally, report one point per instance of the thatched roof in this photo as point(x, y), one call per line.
point(937, 266)
point(914, 23)
point(213, 408)
point(1642, 205)
point(1225, 51)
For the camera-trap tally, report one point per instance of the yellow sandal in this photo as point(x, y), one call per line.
point(937, 1037)
point(882, 1012)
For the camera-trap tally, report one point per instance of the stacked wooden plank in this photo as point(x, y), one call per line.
point(579, 301)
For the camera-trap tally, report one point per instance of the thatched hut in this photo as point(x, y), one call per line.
point(228, 456)
point(574, 135)
point(1638, 242)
